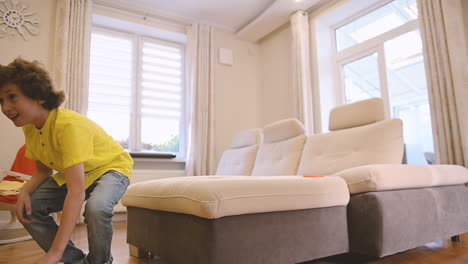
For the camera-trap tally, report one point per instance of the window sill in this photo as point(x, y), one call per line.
point(155, 157)
point(148, 160)
point(148, 155)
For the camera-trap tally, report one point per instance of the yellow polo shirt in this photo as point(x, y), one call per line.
point(67, 139)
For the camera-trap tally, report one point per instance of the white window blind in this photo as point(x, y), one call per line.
point(161, 95)
point(110, 83)
point(137, 90)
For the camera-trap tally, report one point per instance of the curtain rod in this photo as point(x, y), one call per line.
point(145, 15)
point(321, 4)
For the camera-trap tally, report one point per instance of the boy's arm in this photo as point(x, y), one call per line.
point(71, 210)
point(42, 174)
point(24, 201)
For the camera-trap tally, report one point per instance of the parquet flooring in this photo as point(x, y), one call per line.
point(439, 252)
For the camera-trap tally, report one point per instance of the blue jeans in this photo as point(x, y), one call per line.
point(101, 198)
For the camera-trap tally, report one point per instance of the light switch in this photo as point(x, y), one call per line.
point(225, 56)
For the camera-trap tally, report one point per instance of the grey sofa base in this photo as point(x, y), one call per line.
point(387, 222)
point(276, 237)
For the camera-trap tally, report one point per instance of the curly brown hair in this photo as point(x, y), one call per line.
point(33, 81)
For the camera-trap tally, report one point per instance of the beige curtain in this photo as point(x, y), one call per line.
point(200, 146)
point(301, 73)
point(71, 57)
point(445, 52)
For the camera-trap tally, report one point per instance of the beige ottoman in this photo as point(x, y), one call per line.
point(394, 208)
point(238, 219)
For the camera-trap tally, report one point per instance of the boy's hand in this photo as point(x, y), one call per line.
point(23, 205)
point(49, 258)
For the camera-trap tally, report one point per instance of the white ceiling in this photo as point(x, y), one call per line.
point(251, 20)
point(228, 14)
point(276, 15)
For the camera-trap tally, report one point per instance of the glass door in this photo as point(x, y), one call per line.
point(408, 96)
point(361, 79)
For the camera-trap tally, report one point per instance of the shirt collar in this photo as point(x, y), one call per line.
point(46, 127)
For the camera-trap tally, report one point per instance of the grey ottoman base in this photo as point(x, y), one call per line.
point(387, 222)
point(276, 237)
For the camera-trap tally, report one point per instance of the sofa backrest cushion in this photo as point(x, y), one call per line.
point(356, 114)
point(282, 130)
point(378, 143)
point(240, 158)
point(281, 150)
point(247, 138)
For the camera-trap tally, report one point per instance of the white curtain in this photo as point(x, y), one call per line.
point(445, 52)
point(301, 85)
point(200, 146)
point(71, 57)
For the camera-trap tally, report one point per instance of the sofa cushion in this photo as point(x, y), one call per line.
point(282, 130)
point(281, 150)
point(238, 161)
point(379, 143)
point(240, 158)
point(356, 114)
point(247, 138)
point(280, 158)
point(216, 196)
point(384, 177)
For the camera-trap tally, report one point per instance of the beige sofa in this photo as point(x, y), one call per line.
point(242, 219)
point(261, 209)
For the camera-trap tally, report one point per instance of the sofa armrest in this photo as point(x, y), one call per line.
point(384, 177)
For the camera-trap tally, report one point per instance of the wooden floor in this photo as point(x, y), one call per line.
point(440, 252)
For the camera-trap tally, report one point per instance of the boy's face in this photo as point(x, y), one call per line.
point(21, 109)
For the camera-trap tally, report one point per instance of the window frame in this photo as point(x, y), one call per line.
point(135, 148)
point(373, 45)
point(337, 60)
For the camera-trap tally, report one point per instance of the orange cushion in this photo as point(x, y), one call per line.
point(22, 164)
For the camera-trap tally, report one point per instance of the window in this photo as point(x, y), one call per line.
point(137, 90)
point(376, 22)
point(379, 54)
point(361, 79)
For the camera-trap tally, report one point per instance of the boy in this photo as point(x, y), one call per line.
point(90, 166)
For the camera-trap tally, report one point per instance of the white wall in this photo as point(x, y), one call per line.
point(276, 74)
point(465, 15)
point(465, 24)
point(237, 87)
point(238, 98)
point(39, 48)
